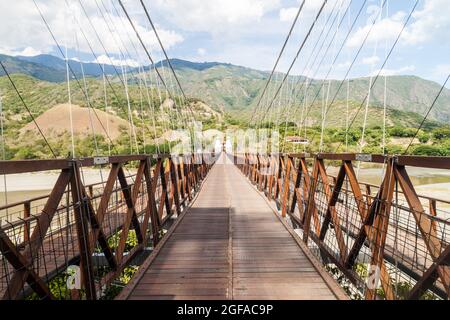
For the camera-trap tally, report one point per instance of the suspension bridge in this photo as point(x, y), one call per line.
point(224, 223)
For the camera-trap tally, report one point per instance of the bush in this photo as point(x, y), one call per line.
point(394, 149)
point(441, 133)
point(402, 132)
point(424, 137)
point(425, 150)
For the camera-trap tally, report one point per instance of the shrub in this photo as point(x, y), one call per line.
point(402, 132)
point(425, 150)
point(441, 133)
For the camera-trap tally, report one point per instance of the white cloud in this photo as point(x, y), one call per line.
point(103, 59)
point(371, 60)
point(385, 30)
point(393, 72)
point(27, 52)
point(310, 10)
point(201, 51)
point(22, 27)
point(430, 22)
point(215, 16)
point(288, 14)
point(343, 65)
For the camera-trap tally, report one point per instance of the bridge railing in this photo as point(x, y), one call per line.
point(379, 241)
point(78, 240)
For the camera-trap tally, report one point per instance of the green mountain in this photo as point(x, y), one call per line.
point(53, 69)
point(48, 100)
point(37, 70)
point(236, 89)
point(89, 68)
point(152, 115)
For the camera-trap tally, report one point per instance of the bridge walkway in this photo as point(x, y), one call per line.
point(230, 245)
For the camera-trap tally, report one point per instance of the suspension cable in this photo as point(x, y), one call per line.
point(298, 89)
point(325, 101)
point(426, 115)
point(120, 77)
point(2, 135)
point(183, 95)
point(337, 56)
point(297, 55)
point(145, 48)
point(351, 65)
point(139, 74)
point(307, 83)
point(69, 94)
point(163, 50)
point(87, 98)
point(71, 70)
point(379, 71)
point(161, 78)
point(278, 58)
point(106, 111)
point(98, 38)
point(369, 93)
point(293, 92)
point(383, 142)
point(157, 86)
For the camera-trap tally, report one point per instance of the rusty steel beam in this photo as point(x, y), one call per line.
point(19, 262)
point(81, 224)
point(430, 276)
point(424, 161)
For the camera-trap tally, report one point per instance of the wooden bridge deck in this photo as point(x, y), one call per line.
point(230, 245)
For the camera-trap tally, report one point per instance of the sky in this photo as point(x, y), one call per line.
point(249, 33)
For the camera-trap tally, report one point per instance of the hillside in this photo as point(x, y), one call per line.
point(53, 69)
point(234, 88)
point(338, 114)
point(47, 102)
point(89, 68)
point(56, 121)
point(37, 70)
point(237, 88)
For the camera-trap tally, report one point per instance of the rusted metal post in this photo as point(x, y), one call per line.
point(26, 215)
point(151, 210)
point(173, 176)
point(287, 181)
point(295, 197)
point(311, 202)
point(81, 222)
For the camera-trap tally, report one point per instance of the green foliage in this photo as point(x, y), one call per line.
point(402, 290)
point(343, 281)
point(58, 288)
point(402, 132)
point(424, 137)
point(131, 241)
point(426, 150)
point(116, 287)
point(441, 133)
